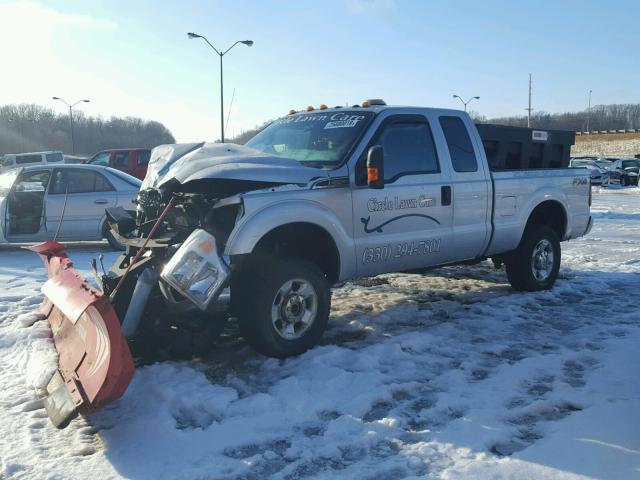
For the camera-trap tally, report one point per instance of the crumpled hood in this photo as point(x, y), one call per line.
point(185, 162)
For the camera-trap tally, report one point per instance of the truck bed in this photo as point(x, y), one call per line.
point(517, 192)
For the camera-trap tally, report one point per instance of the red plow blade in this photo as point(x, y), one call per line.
point(95, 365)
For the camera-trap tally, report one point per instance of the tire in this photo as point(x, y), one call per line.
point(624, 181)
point(272, 298)
point(112, 240)
point(529, 267)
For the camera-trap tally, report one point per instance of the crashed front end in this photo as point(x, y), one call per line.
point(168, 280)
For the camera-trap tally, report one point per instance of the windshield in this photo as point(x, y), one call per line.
point(6, 181)
point(320, 140)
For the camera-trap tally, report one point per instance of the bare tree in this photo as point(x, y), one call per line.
point(27, 127)
point(602, 117)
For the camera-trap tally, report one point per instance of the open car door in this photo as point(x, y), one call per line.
point(25, 209)
point(7, 179)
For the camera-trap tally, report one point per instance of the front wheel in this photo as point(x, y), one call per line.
point(534, 265)
point(282, 305)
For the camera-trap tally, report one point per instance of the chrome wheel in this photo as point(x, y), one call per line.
point(542, 260)
point(294, 309)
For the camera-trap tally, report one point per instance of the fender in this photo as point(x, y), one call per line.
point(544, 194)
point(508, 233)
point(250, 229)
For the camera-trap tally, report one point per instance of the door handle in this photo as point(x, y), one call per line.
point(445, 193)
point(101, 202)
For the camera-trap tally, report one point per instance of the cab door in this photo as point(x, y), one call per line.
point(407, 224)
point(470, 185)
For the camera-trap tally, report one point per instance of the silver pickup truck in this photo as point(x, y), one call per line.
point(322, 196)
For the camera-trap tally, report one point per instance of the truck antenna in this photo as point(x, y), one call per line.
point(233, 95)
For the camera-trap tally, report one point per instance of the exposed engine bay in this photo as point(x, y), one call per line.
point(168, 229)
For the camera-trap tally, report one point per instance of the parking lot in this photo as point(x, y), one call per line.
point(448, 373)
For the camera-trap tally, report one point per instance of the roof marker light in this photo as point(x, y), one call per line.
point(292, 111)
point(322, 106)
point(365, 104)
point(309, 108)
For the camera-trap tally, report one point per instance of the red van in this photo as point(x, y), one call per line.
point(133, 161)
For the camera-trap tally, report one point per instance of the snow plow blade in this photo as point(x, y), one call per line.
point(95, 365)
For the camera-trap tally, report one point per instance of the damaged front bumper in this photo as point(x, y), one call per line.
point(95, 365)
point(196, 270)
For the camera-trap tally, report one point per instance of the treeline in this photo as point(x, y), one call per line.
point(601, 117)
point(30, 128)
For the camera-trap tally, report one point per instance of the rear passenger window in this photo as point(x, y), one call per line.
point(102, 184)
point(408, 149)
point(143, 158)
point(121, 159)
point(22, 159)
point(461, 151)
point(78, 181)
point(54, 157)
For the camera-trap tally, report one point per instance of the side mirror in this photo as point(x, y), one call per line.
point(375, 167)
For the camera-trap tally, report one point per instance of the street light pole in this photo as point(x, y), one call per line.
point(73, 144)
point(589, 111)
point(220, 53)
point(467, 102)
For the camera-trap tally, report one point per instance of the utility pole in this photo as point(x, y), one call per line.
point(529, 110)
point(589, 111)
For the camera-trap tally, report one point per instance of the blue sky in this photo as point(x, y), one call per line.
point(134, 58)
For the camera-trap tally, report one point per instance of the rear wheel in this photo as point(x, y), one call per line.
point(534, 265)
point(282, 305)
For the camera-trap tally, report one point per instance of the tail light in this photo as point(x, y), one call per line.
point(590, 194)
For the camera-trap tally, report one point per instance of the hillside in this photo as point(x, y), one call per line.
point(32, 128)
point(607, 145)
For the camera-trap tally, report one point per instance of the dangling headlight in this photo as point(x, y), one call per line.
point(196, 270)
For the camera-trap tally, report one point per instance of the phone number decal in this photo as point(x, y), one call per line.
point(399, 250)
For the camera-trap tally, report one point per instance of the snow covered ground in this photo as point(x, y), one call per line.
point(445, 375)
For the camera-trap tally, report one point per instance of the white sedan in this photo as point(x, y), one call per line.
point(32, 200)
